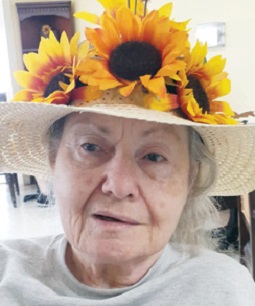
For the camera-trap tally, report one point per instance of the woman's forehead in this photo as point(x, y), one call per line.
point(108, 125)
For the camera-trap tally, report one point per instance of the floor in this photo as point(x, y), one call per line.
point(28, 219)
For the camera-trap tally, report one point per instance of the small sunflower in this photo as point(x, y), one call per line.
point(134, 52)
point(50, 75)
point(201, 84)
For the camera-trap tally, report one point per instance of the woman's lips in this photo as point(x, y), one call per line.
point(109, 217)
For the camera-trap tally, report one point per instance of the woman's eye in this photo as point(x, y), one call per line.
point(154, 157)
point(91, 147)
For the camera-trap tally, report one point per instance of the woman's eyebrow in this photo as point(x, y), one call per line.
point(152, 130)
point(101, 129)
point(160, 129)
point(92, 127)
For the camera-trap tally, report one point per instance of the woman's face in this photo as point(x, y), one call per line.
point(121, 185)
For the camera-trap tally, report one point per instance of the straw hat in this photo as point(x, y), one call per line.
point(135, 70)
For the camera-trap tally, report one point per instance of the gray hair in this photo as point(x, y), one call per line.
point(199, 209)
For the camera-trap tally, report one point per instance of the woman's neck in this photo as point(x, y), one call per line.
point(105, 276)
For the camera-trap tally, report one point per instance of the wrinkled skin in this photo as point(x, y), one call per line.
point(121, 186)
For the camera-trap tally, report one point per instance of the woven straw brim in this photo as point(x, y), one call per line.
point(24, 141)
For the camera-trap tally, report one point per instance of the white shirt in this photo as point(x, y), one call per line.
point(33, 272)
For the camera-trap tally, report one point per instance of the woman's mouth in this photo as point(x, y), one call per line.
point(106, 218)
point(115, 219)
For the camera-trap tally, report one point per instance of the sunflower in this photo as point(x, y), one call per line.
point(50, 75)
point(201, 83)
point(134, 52)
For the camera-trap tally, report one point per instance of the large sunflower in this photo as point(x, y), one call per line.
point(135, 53)
point(50, 75)
point(201, 83)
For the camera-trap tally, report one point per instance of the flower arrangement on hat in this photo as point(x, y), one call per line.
point(51, 73)
point(136, 53)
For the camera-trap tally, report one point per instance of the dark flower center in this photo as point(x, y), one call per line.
point(133, 59)
point(199, 93)
point(54, 83)
point(79, 83)
point(171, 89)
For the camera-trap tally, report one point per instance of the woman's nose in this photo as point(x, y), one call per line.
point(121, 178)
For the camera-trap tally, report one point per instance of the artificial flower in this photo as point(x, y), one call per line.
point(201, 84)
point(134, 51)
point(50, 75)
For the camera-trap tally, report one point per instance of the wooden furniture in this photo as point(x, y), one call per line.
point(246, 222)
point(34, 15)
point(13, 184)
point(245, 205)
point(2, 96)
point(229, 233)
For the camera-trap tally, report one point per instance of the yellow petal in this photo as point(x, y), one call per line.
point(88, 17)
point(198, 55)
point(23, 95)
point(139, 7)
point(172, 70)
point(44, 63)
point(58, 97)
point(53, 45)
point(215, 65)
point(112, 4)
point(64, 43)
point(205, 119)
point(221, 107)
point(160, 104)
point(82, 51)
point(129, 25)
point(74, 42)
point(31, 62)
point(52, 48)
point(69, 87)
point(127, 90)
point(111, 30)
point(223, 119)
point(104, 40)
point(155, 30)
point(27, 80)
point(166, 10)
point(180, 26)
point(154, 85)
point(108, 84)
point(86, 94)
point(219, 89)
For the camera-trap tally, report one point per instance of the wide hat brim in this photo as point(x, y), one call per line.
point(24, 141)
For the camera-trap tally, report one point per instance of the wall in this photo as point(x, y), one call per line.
point(5, 84)
point(10, 35)
point(238, 15)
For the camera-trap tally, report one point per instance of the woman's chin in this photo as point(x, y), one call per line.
point(113, 252)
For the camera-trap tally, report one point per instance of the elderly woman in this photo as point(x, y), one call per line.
point(133, 156)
